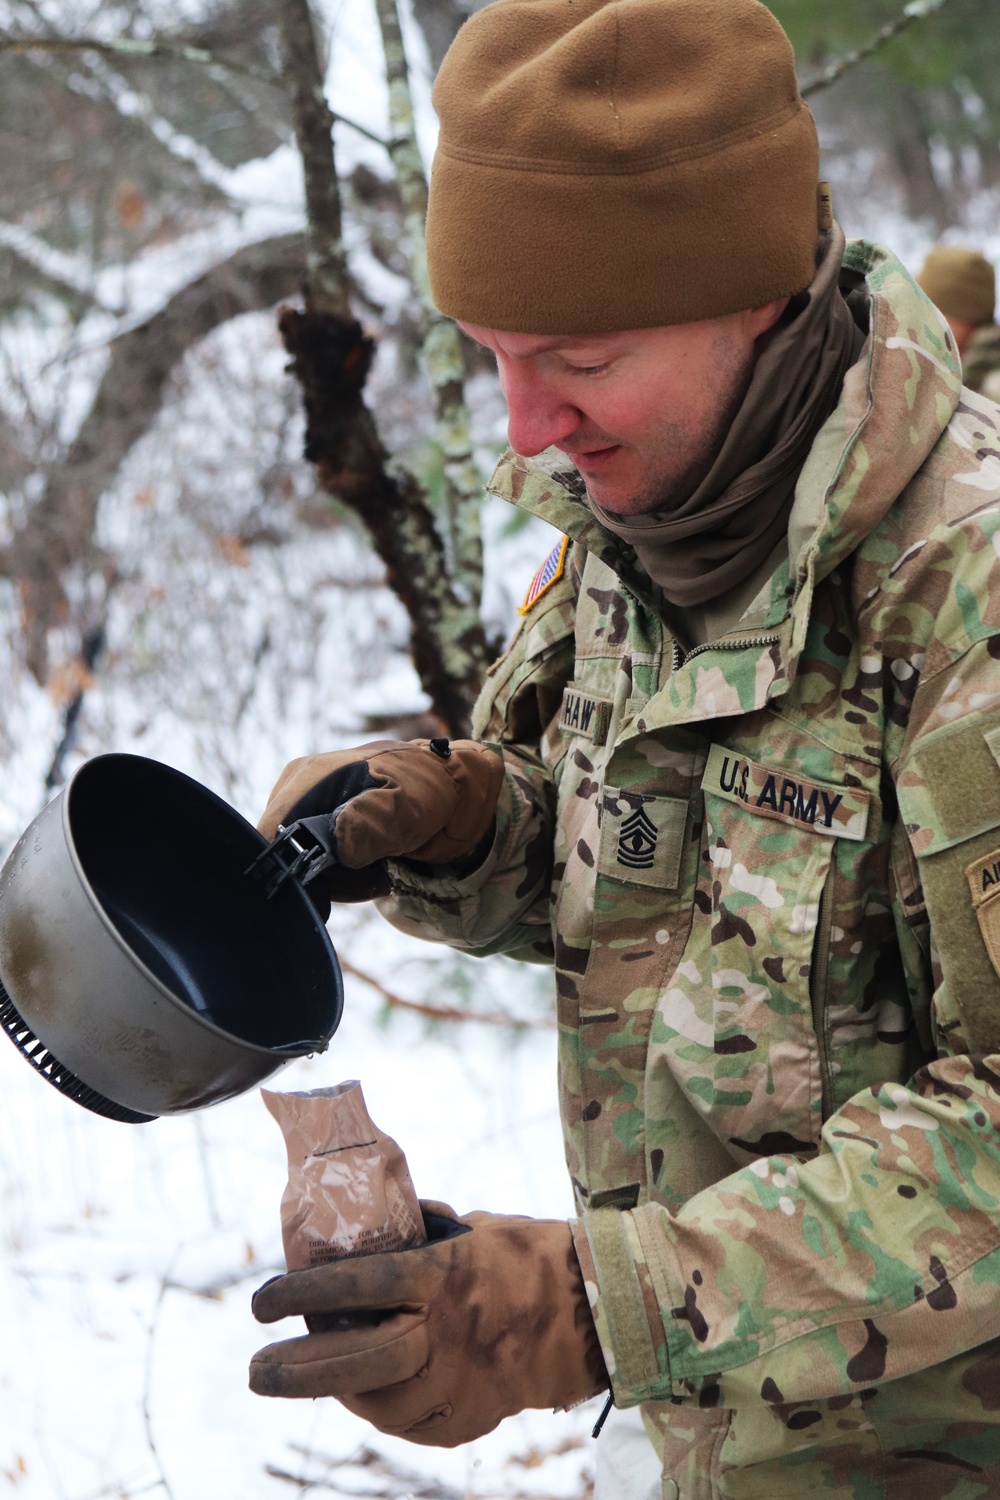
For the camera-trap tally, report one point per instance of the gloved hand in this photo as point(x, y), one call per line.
point(428, 800)
point(476, 1327)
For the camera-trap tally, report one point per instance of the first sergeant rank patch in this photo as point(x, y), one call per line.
point(547, 577)
point(642, 837)
point(637, 840)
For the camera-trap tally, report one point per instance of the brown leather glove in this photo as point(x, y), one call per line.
point(475, 1327)
point(428, 800)
point(396, 797)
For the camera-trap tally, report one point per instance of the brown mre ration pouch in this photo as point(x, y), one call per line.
point(349, 1190)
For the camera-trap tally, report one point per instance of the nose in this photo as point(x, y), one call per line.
point(537, 415)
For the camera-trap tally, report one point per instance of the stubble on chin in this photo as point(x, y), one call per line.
point(680, 457)
point(664, 486)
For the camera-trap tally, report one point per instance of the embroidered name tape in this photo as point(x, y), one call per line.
point(547, 577)
point(642, 838)
point(839, 812)
point(586, 715)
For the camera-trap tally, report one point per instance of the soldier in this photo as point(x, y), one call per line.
point(963, 284)
point(737, 778)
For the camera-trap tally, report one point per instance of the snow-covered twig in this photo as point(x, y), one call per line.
point(397, 1482)
point(126, 47)
point(387, 1479)
point(145, 1404)
point(53, 268)
point(916, 10)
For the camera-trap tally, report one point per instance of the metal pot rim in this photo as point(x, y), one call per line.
point(320, 1045)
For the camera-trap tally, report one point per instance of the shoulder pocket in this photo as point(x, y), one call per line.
point(523, 690)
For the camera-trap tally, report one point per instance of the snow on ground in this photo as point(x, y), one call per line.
point(122, 1370)
point(128, 1254)
point(119, 1373)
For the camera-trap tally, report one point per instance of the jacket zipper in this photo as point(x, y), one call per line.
point(753, 642)
point(818, 976)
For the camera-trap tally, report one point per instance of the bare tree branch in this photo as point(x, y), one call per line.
point(146, 1405)
point(59, 530)
point(326, 267)
point(92, 645)
point(331, 357)
point(212, 1291)
point(441, 1012)
point(125, 47)
point(916, 10)
point(388, 1479)
point(393, 1481)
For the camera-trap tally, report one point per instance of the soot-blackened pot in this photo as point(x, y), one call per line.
point(143, 971)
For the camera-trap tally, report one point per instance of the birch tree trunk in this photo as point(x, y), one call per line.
point(442, 350)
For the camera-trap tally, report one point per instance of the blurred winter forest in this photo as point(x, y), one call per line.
point(179, 579)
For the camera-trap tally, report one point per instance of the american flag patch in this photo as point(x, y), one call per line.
point(549, 573)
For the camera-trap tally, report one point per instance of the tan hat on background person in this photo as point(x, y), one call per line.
point(962, 283)
point(606, 166)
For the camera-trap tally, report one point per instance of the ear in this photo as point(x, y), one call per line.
point(760, 319)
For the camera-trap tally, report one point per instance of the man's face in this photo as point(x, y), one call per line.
point(963, 331)
point(641, 414)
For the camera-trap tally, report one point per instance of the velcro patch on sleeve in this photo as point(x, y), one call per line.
point(585, 715)
point(838, 812)
point(642, 838)
point(547, 577)
point(992, 738)
point(984, 887)
point(949, 787)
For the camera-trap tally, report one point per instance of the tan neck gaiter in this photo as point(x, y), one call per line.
point(710, 542)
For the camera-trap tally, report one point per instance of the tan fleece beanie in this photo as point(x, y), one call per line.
point(962, 283)
point(614, 164)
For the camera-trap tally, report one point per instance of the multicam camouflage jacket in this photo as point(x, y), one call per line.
point(767, 872)
point(981, 361)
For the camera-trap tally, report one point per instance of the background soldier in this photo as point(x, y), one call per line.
point(963, 285)
point(737, 778)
